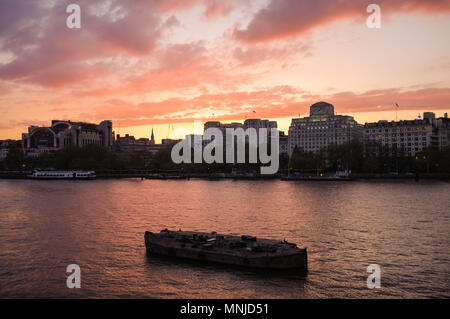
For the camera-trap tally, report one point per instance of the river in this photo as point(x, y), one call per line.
point(402, 226)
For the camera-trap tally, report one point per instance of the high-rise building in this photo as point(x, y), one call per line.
point(284, 144)
point(249, 123)
point(440, 138)
point(322, 129)
point(258, 123)
point(222, 126)
point(5, 145)
point(406, 137)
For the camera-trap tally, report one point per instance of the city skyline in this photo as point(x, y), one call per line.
point(149, 64)
point(173, 132)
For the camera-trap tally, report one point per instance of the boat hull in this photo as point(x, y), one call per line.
point(297, 260)
point(318, 179)
point(60, 178)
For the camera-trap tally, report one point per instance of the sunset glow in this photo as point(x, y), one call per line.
point(148, 64)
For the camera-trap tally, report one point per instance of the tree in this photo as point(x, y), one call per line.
point(15, 158)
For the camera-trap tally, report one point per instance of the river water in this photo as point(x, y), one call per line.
point(402, 226)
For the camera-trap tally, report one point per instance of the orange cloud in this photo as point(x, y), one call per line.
point(276, 102)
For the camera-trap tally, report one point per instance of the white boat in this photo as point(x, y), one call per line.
point(62, 175)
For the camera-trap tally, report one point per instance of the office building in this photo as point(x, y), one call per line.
point(322, 129)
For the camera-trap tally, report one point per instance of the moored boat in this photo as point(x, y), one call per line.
point(246, 251)
point(318, 178)
point(62, 175)
point(165, 176)
point(340, 176)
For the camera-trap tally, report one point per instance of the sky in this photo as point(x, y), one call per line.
point(162, 64)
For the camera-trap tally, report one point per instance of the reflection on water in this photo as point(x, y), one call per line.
point(46, 225)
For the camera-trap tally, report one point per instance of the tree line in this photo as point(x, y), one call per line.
point(350, 156)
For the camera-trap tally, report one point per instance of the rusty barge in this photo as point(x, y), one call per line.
point(246, 251)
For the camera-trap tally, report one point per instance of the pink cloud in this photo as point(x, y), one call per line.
point(59, 76)
point(286, 18)
point(43, 46)
point(256, 54)
point(40, 39)
point(215, 8)
point(176, 67)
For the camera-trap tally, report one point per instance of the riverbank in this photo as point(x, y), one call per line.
point(220, 176)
